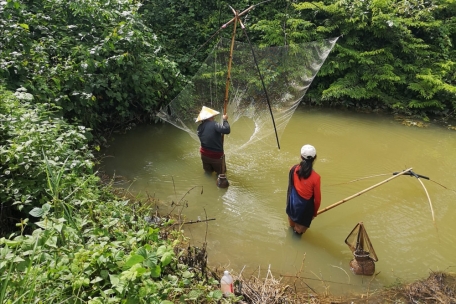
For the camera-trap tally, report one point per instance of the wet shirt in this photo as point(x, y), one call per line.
point(308, 187)
point(210, 135)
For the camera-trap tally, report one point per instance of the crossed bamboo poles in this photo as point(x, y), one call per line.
point(236, 19)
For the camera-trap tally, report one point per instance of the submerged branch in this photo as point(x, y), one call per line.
point(199, 221)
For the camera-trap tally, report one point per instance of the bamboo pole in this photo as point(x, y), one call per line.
point(361, 192)
point(228, 79)
point(228, 75)
point(429, 199)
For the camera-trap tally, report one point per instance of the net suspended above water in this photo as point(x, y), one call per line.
point(287, 72)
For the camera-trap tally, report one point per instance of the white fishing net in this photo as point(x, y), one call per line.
point(285, 71)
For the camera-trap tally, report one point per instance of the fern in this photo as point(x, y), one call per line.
point(419, 104)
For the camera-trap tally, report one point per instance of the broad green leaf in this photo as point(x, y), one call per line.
point(161, 250)
point(104, 274)
point(134, 260)
point(96, 280)
point(142, 251)
point(36, 212)
point(167, 258)
point(114, 279)
point(217, 294)
point(194, 294)
point(187, 274)
point(155, 271)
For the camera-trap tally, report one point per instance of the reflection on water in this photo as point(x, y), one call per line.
point(251, 230)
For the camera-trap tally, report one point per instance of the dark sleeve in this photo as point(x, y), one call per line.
point(223, 128)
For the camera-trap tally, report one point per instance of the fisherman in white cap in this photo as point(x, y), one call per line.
point(210, 135)
point(304, 193)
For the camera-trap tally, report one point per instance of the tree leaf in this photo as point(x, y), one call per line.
point(36, 212)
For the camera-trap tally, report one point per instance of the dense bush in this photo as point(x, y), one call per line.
point(36, 146)
point(94, 59)
point(75, 241)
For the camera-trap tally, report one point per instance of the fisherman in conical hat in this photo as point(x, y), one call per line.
point(210, 135)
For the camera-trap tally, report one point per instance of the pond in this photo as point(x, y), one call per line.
point(411, 236)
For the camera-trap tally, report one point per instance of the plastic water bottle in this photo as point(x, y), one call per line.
point(226, 283)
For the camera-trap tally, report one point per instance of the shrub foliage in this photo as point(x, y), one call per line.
point(75, 241)
point(97, 60)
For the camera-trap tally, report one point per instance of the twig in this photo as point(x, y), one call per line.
point(298, 274)
point(178, 203)
point(322, 281)
point(368, 286)
point(207, 226)
point(195, 222)
point(174, 187)
point(306, 278)
point(343, 271)
point(442, 185)
point(242, 270)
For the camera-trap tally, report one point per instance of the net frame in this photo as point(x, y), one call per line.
point(359, 242)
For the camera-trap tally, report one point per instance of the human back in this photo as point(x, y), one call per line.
point(304, 193)
point(210, 134)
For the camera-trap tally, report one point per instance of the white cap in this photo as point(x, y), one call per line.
point(206, 113)
point(308, 151)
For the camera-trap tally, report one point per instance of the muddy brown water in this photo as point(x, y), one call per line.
point(250, 232)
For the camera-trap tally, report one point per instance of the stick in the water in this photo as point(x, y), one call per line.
point(361, 192)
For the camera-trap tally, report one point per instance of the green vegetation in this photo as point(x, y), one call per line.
point(107, 63)
point(95, 59)
point(70, 70)
point(77, 242)
point(392, 55)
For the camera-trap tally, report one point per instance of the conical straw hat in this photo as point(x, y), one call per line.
point(206, 113)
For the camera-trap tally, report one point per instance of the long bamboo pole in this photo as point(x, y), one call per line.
point(228, 78)
point(361, 192)
point(228, 75)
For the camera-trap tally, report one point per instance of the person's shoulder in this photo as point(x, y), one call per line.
point(315, 174)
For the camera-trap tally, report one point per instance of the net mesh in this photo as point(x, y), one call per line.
point(286, 71)
point(359, 243)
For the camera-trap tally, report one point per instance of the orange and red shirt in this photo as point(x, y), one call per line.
point(308, 187)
